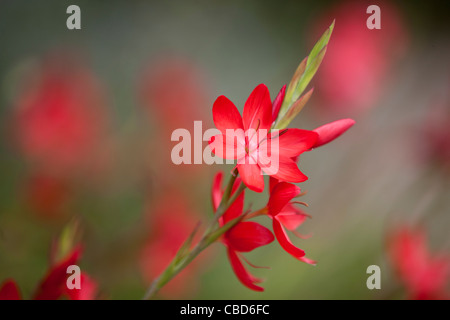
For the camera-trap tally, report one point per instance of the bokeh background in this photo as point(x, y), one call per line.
point(86, 118)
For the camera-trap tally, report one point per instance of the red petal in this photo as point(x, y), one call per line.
point(252, 176)
point(10, 291)
point(308, 261)
point(280, 196)
point(277, 103)
point(284, 241)
point(258, 109)
point(332, 130)
point(88, 289)
point(242, 274)
point(272, 183)
point(54, 284)
point(247, 236)
point(284, 146)
point(226, 115)
point(235, 209)
point(294, 142)
point(291, 221)
point(287, 171)
point(216, 192)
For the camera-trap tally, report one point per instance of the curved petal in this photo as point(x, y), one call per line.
point(308, 261)
point(294, 142)
point(241, 273)
point(284, 147)
point(226, 115)
point(236, 208)
point(332, 130)
point(272, 183)
point(10, 291)
point(252, 176)
point(287, 171)
point(247, 236)
point(257, 112)
point(54, 284)
point(280, 196)
point(284, 241)
point(291, 221)
point(216, 190)
point(88, 289)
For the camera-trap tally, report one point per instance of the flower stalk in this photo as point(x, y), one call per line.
point(181, 259)
point(230, 224)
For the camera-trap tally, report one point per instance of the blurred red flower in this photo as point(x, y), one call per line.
point(59, 115)
point(53, 286)
point(174, 90)
point(435, 136)
point(358, 59)
point(425, 275)
point(243, 237)
point(10, 291)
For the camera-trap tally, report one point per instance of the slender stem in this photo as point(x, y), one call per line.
point(254, 214)
point(208, 238)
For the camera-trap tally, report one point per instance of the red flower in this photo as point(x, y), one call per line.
point(358, 59)
point(285, 215)
point(53, 286)
point(246, 139)
point(60, 121)
point(425, 275)
point(243, 237)
point(9, 291)
point(88, 289)
point(168, 82)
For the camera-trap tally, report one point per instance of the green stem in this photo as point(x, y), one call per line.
point(209, 237)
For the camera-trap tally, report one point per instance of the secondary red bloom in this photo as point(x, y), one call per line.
point(425, 275)
point(9, 291)
point(243, 237)
point(285, 215)
point(358, 60)
point(247, 140)
point(169, 82)
point(54, 285)
point(59, 117)
point(88, 291)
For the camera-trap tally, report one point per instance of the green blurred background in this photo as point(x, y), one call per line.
point(361, 186)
